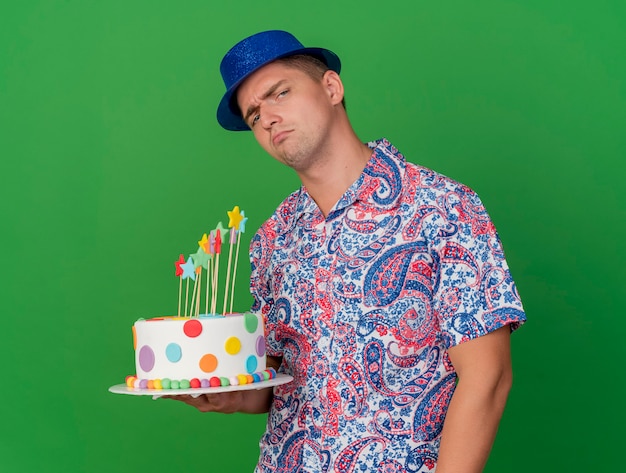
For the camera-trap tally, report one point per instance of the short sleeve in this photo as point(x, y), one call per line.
point(474, 292)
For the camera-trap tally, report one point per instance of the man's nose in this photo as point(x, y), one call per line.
point(269, 117)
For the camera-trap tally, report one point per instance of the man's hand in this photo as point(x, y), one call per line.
point(253, 401)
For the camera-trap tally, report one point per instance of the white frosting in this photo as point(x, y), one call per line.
point(165, 350)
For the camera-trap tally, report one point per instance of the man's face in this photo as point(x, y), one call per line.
point(289, 112)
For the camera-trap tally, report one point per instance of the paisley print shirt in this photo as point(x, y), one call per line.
point(362, 306)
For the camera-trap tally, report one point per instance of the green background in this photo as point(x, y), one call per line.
point(112, 163)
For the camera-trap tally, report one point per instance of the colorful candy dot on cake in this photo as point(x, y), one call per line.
point(232, 346)
point(194, 383)
point(192, 328)
point(204, 383)
point(157, 384)
point(242, 379)
point(260, 345)
point(146, 358)
point(250, 378)
point(251, 364)
point(173, 352)
point(270, 372)
point(143, 384)
point(215, 382)
point(130, 380)
point(184, 384)
point(233, 381)
point(224, 381)
point(150, 384)
point(208, 363)
point(174, 384)
point(166, 383)
point(250, 321)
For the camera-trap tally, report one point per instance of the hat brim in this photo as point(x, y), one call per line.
point(228, 113)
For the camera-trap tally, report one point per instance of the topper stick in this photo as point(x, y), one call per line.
point(180, 293)
point(186, 296)
point(197, 308)
point(215, 282)
point(218, 249)
point(192, 306)
point(230, 257)
point(232, 291)
point(209, 271)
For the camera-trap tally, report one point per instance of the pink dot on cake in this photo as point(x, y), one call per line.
point(146, 358)
point(192, 328)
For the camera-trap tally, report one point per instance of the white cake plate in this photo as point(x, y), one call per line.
point(156, 393)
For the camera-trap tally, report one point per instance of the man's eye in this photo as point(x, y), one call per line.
point(283, 93)
point(255, 119)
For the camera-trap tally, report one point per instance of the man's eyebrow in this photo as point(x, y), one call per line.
point(270, 91)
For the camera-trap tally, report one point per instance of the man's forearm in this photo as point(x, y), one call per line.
point(471, 424)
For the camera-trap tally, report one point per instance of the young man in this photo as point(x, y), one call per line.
point(383, 284)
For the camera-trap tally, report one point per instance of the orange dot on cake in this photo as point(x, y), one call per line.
point(208, 363)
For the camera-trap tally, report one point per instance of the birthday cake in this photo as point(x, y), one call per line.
point(195, 352)
point(202, 350)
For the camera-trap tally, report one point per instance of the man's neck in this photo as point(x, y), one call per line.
point(334, 174)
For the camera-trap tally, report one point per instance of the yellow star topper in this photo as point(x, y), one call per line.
point(204, 243)
point(234, 218)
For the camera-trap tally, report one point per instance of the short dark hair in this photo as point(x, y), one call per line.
point(310, 65)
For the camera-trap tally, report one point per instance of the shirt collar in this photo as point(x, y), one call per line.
point(379, 185)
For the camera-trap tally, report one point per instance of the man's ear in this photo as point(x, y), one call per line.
point(333, 85)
